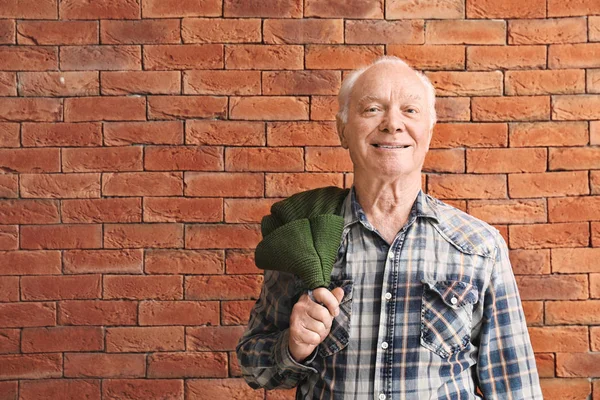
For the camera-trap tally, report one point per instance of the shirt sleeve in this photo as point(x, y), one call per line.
point(262, 351)
point(506, 363)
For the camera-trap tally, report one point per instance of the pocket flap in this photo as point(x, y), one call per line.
point(455, 294)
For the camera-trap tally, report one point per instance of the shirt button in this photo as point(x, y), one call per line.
point(391, 255)
point(381, 396)
point(388, 296)
point(384, 345)
point(454, 300)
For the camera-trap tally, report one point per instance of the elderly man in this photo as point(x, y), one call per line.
point(422, 303)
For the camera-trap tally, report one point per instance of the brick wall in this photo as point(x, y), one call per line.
point(141, 141)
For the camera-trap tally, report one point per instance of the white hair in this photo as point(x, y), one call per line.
point(348, 86)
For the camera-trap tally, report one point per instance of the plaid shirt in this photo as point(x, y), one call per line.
point(436, 315)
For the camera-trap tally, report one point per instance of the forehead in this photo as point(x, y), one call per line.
point(388, 80)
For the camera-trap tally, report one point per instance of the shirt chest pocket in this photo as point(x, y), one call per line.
point(446, 316)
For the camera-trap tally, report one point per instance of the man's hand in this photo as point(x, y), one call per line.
point(310, 321)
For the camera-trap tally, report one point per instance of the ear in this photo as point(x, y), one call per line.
point(340, 126)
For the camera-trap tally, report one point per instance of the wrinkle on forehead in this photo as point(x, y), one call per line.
point(381, 81)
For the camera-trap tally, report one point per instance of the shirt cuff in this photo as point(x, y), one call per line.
point(286, 362)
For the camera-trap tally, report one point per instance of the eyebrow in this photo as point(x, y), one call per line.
point(368, 98)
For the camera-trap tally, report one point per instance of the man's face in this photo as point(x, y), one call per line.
point(388, 129)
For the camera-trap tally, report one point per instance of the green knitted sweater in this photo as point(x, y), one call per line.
point(302, 235)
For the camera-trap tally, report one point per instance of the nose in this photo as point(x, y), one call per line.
point(392, 121)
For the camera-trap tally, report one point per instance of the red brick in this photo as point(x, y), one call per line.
point(547, 31)
point(178, 107)
point(530, 262)
point(18, 315)
point(595, 234)
point(9, 234)
point(217, 287)
point(43, 262)
point(142, 184)
point(585, 55)
point(132, 287)
point(348, 9)
point(246, 210)
point(506, 57)
point(57, 32)
point(434, 9)
point(559, 339)
point(575, 260)
point(24, 211)
point(221, 83)
point(263, 8)
point(527, 134)
point(323, 108)
point(29, 9)
point(524, 108)
point(100, 365)
point(572, 312)
point(169, 209)
point(62, 339)
point(178, 8)
point(75, 287)
point(141, 82)
point(272, 159)
point(225, 388)
point(280, 394)
point(264, 57)
point(567, 8)
point(7, 31)
point(189, 158)
point(30, 109)
point(158, 235)
point(218, 236)
point(430, 57)
point(545, 82)
point(452, 135)
point(179, 313)
point(212, 30)
point(187, 365)
point(140, 32)
point(155, 132)
point(549, 235)
point(97, 312)
point(228, 133)
point(466, 32)
point(506, 160)
point(105, 108)
point(9, 291)
point(268, 108)
point(593, 80)
point(236, 312)
point(189, 262)
point(302, 134)
point(144, 339)
point(9, 342)
point(300, 31)
point(108, 57)
point(236, 371)
point(578, 365)
point(25, 58)
point(548, 184)
point(30, 366)
point(8, 84)
point(60, 186)
point(565, 389)
point(509, 211)
point(102, 210)
point(534, 312)
point(188, 56)
point(341, 57)
point(213, 338)
point(384, 32)
point(100, 9)
point(61, 134)
point(572, 209)
point(301, 82)
point(453, 109)
point(506, 9)
point(545, 364)
point(595, 286)
point(220, 184)
point(9, 134)
point(466, 83)
point(103, 261)
point(241, 262)
point(64, 236)
point(142, 389)
point(284, 185)
point(594, 28)
point(467, 186)
point(595, 182)
point(595, 338)
point(328, 159)
point(575, 107)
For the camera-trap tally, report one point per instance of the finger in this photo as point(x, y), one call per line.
point(327, 299)
point(319, 314)
point(315, 326)
point(338, 292)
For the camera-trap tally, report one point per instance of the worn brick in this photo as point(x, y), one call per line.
point(27, 314)
point(466, 32)
point(142, 184)
point(144, 339)
point(142, 389)
point(9, 134)
point(384, 32)
point(301, 82)
point(97, 312)
point(188, 365)
point(578, 365)
point(189, 158)
point(10, 340)
point(557, 8)
point(8, 83)
point(530, 262)
point(593, 81)
point(246, 210)
point(141, 82)
point(188, 56)
point(221, 82)
point(264, 8)
point(193, 262)
point(466, 83)
point(64, 236)
point(545, 82)
point(60, 287)
point(506, 9)
point(101, 365)
point(179, 313)
point(181, 8)
point(60, 186)
point(104, 57)
point(62, 339)
point(574, 158)
point(22, 262)
point(57, 32)
point(217, 287)
point(594, 28)
point(180, 107)
point(506, 160)
point(221, 184)
point(99, 159)
point(157, 235)
point(169, 209)
point(213, 338)
point(509, 211)
point(452, 135)
point(547, 31)
point(28, 58)
point(103, 261)
point(581, 260)
point(526, 134)
point(347, 9)
point(228, 388)
point(300, 31)
point(228, 133)
point(287, 184)
point(549, 184)
point(584, 55)
point(506, 57)
point(323, 108)
point(453, 109)
point(29, 9)
point(213, 30)
point(236, 312)
point(144, 31)
point(9, 234)
point(524, 108)
point(27, 211)
point(30, 366)
point(539, 236)
point(284, 159)
point(576, 107)
point(467, 186)
point(217, 236)
point(99, 9)
point(572, 312)
point(102, 210)
point(61, 134)
point(264, 57)
point(107, 108)
point(401, 9)
point(559, 339)
point(7, 31)
point(241, 262)
point(9, 291)
point(341, 57)
point(430, 57)
point(155, 132)
point(268, 108)
point(30, 109)
point(562, 389)
point(302, 134)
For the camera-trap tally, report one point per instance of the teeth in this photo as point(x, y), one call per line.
point(390, 147)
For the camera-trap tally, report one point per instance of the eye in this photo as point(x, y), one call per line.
point(412, 110)
point(371, 109)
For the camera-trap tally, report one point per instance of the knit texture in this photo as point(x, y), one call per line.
point(302, 235)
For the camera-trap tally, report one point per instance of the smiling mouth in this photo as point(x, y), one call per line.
point(382, 146)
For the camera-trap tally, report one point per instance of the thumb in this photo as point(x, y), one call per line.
point(338, 292)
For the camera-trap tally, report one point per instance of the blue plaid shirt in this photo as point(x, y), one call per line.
point(436, 315)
